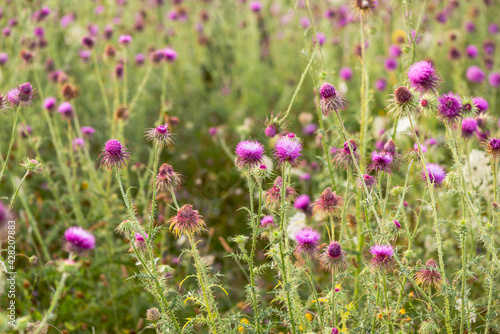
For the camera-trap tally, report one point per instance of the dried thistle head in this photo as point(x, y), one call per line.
point(69, 91)
point(187, 221)
point(403, 102)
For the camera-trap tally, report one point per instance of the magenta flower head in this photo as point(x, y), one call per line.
point(381, 162)
point(333, 258)
point(169, 54)
point(383, 257)
point(267, 221)
point(335, 330)
point(492, 147)
point(397, 224)
point(345, 73)
point(331, 100)
point(390, 64)
point(390, 149)
point(381, 84)
point(140, 239)
point(114, 155)
point(423, 77)
point(66, 110)
point(469, 127)
point(125, 39)
point(187, 221)
point(307, 241)
point(273, 195)
point(78, 143)
point(287, 150)
point(256, 6)
point(329, 203)
point(475, 74)
point(88, 42)
point(429, 276)
point(494, 79)
point(395, 51)
point(302, 203)
point(22, 95)
point(4, 58)
point(471, 51)
point(320, 38)
point(249, 153)
point(449, 107)
point(78, 240)
point(436, 174)
point(343, 156)
point(368, 180)
point(481, 104)
point(87, 131)
point(160, 136)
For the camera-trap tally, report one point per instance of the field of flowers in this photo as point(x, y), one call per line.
point(236, 166)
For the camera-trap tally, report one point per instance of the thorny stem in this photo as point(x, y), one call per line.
point(53, 303)
point(141, 88)
point(490, 293)
point(365, 111)
point(313, 287)
point(17, 190)
point(386, 301)
point(12, 136)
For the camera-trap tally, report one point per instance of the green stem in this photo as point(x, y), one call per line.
point(313, 287)
point(17, 190)
point(391, 330)
point(53, 304)
point(12, 136)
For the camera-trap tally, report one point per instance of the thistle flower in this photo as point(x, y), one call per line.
point(32, 165)
point(480, 103)
point(4, 106)
point(492, 147)
point(287, 149)
point(429, 276)
point(368, 180)
point(249, 153)
point(66, 110)
point(403, 102)
point(329, 203)
point(365, 6)
point(469, 127)
point(307, 241)
point(302, 203)
point(273, 195)
point(160, 136)
point(494, 79)
point(382, 257)
point(390, 149)
point(397, 224)
point(335, 330)
point(469, 107)
point(167, 179)
point(331, 99)
point(114, 155)
point(125, 39)
point(381, 162)
point(267, 221)
point(343, 156)
point(423, 77)
point(140, 240)
point(333, 258)
point(436, 174)
point(186, 221)
point(153, 315)
point(87, 131)
point(21, 95)
point(78, 240)
point(475, 74)
point(449, 107)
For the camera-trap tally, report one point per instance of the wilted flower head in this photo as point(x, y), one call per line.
point(249, 153)
point(368, 180)
point(403, 102)
point(492, 147)
point(307, 241)
point(333, 258)
point(167, 179)
point(160, 136)
point(423, 77)
point(186, 221)
point(436, 174)
point(365, 6)
point(329, 203)
point(381, 162)
point(153, 315)
point(429, 276)
point(114, 154)
point(21, 95)
point(287, 149)
point(449, 107)
point(331, 99)
point(273, 195)
point(32, 165)
point(383, 256)
point(78, 240)
point(343, 156)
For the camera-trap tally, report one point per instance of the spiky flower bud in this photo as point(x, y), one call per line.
point(32, 165)
point(186, 221)
point(153, 315)
point(167, 179)
point(403, 102)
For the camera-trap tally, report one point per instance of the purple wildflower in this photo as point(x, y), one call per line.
point(333, 258)
point(114, 154)
point(345, 73)
point(307, 241)
point(331, 99)
point(66, 110)
point(302, 203)
point(4, 58)
point(160, 136)
point(187, 221)
point(397, 224)
point(78, 240)
point(449, 107)
point(435, 172)
point(429, 276)
point(249, 153)
point(87, 131)
point(169, 54)
point(329, 203)
point(381, 84)
point(125, 39)
point(395, 51)
point(383, 256)
point(423, 77)
point(267, 221)
point(21, 95)
point(140, 239)
point(469, 127)
point(78, 143)
point(390, 64)
point(256, 6)
point(381, 162)
point(494, 79)
point(167, 179)
point(492, 147)
point(475, 74)
point(343, 156)
point(481, 104)
point(471, 51)
point(288, 150)
point(368, 180)
point(273, 195)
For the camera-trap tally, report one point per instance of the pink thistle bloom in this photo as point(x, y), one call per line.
point(140, 239)
point(481, 104)
point(273, 195)
point(78, 240)
point(381, 162)
point(369, 181)
point(345, 73)
point(436, 174)
point(469, 127)
point(288, 150)
point(267, 221)
point(302, 203)
point(307, 241)
point(397, 224)
point(160, 136)
point(449, 107)
point(429, 276)
point(78, 143)
point(169, 54)
point(343, 156)
point(475, 74)
point(125, 39)
point(329, 203)
point(186, 221)
point(167, 179)
point(492, 147)
point(256, 6)
point(249, 153)
point(494, 79)
point(333, 258)
point(114, 155)
point(66, 110)
point(21, 95)
point(383, 256)
point(390, 149)
point(331, 100)
point(423, 77)
point(471, 51)
point(87, 131)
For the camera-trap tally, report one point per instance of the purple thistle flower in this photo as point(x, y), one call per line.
point(423, 77)
point(167, 179)
point(21, 95)
point(369, 181)
point(489, 47)
point(381, 84)
point(469, 127)
point(329, 203)
point(139, 59)
point(381, 162)
point(475, 74)
point(395, 51)
point(307, 241)
point(345, 73)
point(302, 203)
point(87, 131)
point(169, 54)
point(333, 258)
point(78, 143)
point(66, 110)
point(429, 276)
point(335, 330)
point(309, 129)
point(273, 195)
point(492, 147)
point(493, 28)
point(382, 256)
point(331, 99)
point(390, 64)
point(321, 38)
point(494, 79)
point(249, 153)
point(270, 131)
point(140, 239)
point(267, 221)
point(88, 42)
point(481, 104)
point(4, 58)
point(288, 150)
point(397, 224)
point(343, 156)
point(125, 39)
point(186, 221)
point(256, 6)
point(114, 155)
point(390, 149)
point(436, 174)
point(160, 136)
point(449, 107)
point(78, 240)
point(49, 103)
point(471, 51)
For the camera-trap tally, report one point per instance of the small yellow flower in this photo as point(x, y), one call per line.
point(244, 321)
point(411, 294)
point(309, 316)
point(408, 319)
point(402, 311)
point(84, 185)
point(380, 316)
